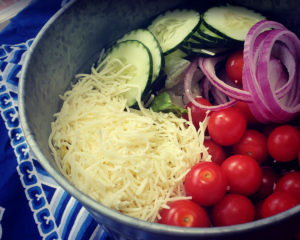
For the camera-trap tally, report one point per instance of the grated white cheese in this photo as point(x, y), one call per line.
point(134, 161)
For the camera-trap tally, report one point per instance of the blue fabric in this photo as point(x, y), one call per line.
point(32, 204)
point(23, 27)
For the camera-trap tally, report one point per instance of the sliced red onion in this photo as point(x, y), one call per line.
point(218, 96)
point(282, 53)
point(206, 86)
point(272, 93)
point(188, 91)
point(256, 110)
point(195, 86)
point(177, 100)
point(279, 76)
point(207, 65)
point(222, 75)
point(178, 90)
point(285, 113)
point(267, 105)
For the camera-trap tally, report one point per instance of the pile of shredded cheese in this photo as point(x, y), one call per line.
point(133, 161)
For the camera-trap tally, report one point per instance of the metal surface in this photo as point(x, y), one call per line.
point(69, 43)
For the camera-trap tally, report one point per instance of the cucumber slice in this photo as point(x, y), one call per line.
point(173, 28)
point(212, 43)
point(233, 22)
point(147, 38)
point(191, 43)
point(177, 54)
point(206, 33)
point(196, 36)
point(212, 52)
point(136, 53)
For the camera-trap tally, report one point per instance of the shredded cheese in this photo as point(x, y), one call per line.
point(134, 161)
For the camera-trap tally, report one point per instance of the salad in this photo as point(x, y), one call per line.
point(191, 122)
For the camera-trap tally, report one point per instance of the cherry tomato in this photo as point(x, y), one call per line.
point(278, 202)
point(290, 183)
point(216, 151)
point(184, 213)
point(244, 107)
point(252, 144)
point(234, 67)
point(268, 181)
point(258, 213)
point(243, 174)
point(284, 143)
point(198, 115)
point(206, 182)
point(227, 126)
point(233, 209)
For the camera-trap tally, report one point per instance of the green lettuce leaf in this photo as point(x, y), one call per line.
point(163, 103)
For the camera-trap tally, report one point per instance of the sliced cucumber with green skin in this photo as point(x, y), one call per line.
point(173, 28)
point(212, 43)
point(232, 22)
point(147, 38)
point(177, 54)
point(191, 43)
point(136, 53)
point(213, 52)
point(206, 33)
point(197, 37)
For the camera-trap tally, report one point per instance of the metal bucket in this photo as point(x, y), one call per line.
point(68, 44)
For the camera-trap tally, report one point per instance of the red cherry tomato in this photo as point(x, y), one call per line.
point(278, 202)
point(227, 126)
point(258, 213)
point(243, 174)
point(198, 115)
point(252, 144)
point(206, 182)
point(290, 183)
point(233, 209)
point(184, 213)
point(268, 181)
point(216, 151)
point(234, 67)
point(284, 143)
point(244, 107)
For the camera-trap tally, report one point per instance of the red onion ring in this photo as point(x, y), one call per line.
point(218, 96)
point(272, 94)
point(266, 106)
point(206, 86)
point(285, 113)
point(207, 65)
point(187, 88)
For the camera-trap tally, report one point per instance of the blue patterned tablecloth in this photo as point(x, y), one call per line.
point(32, 205)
